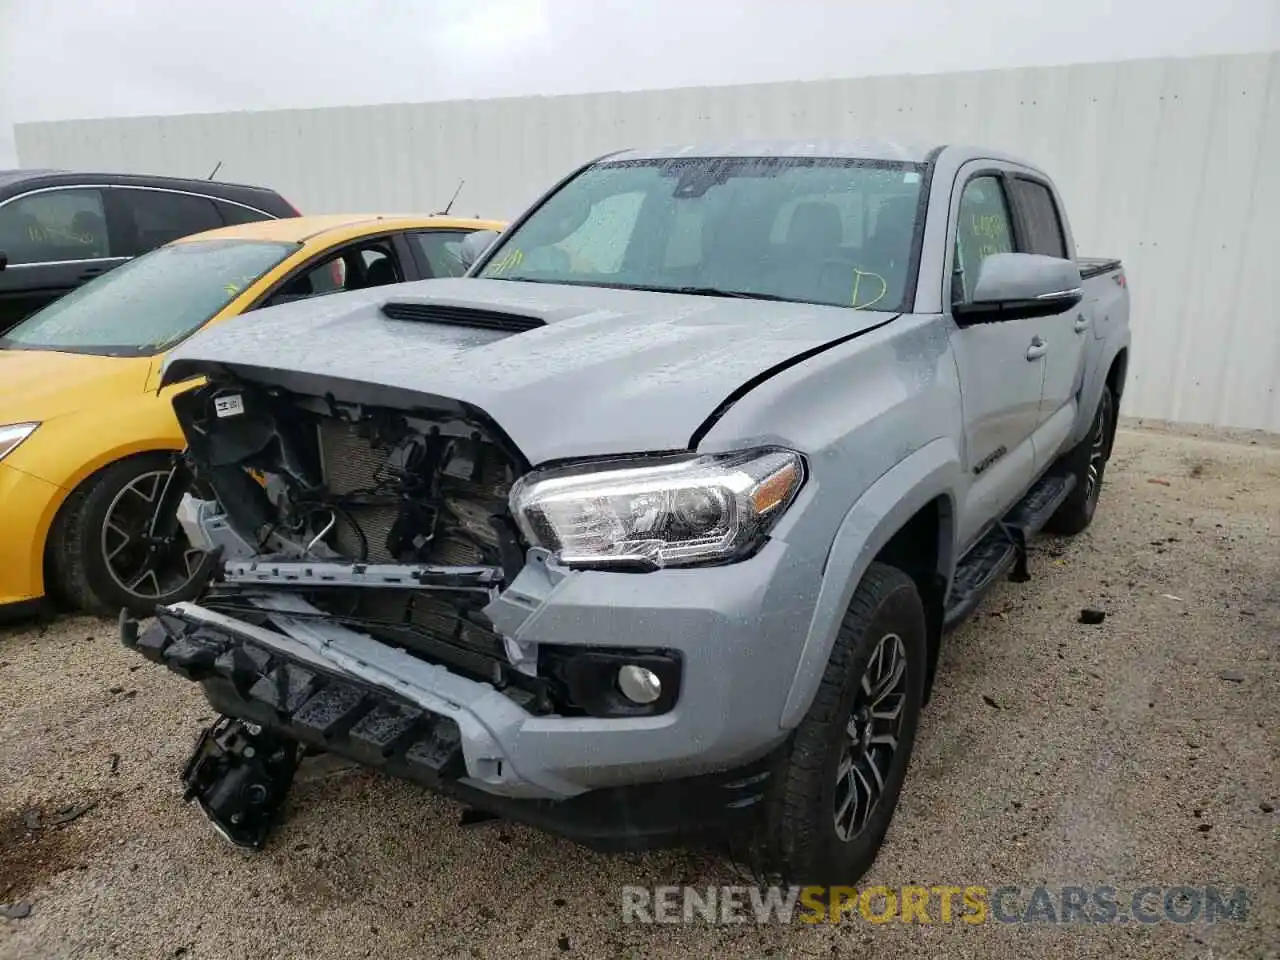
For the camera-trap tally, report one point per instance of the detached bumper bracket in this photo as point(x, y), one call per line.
point(299, 702)
point(239, 775)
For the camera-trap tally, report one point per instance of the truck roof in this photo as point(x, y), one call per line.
point(861, 148)
point(852, 149)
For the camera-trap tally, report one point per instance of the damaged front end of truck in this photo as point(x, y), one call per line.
point(335, 522)
point(370, 582)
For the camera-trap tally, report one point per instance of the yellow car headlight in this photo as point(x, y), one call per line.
point(13, 434)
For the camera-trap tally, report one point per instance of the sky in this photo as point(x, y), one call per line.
point(70, 59)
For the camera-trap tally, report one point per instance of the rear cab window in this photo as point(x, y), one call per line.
point(52, 226)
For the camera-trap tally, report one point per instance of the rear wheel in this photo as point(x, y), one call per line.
point(836, 792)
point(100, 556)
point(1088, 461)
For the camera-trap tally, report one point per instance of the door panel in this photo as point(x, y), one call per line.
point(1000, 366)
point(1000, 393)
point(1065, 335)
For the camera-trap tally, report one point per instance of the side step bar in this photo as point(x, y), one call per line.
point(1004, 547)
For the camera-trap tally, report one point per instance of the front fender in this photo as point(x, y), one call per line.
point(931, 471)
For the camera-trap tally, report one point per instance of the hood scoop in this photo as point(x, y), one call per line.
point(420, 311)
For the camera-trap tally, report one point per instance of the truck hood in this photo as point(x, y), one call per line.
point(610, 371)
point(40, 385)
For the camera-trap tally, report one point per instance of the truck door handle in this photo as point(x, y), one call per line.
point(1037, 349)
point(1082, 323)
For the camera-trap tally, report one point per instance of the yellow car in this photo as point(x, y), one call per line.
point(86, 440)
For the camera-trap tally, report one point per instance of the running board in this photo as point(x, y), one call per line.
point(1003, 549)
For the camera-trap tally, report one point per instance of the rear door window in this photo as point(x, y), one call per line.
point(151, 218)
point(1040, 216)
point(53, 226)
point(233, 213)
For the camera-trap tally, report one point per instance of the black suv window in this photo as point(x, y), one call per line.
point(54, 225)
point(233, 213)
point(151, 218)
point(1040, 214)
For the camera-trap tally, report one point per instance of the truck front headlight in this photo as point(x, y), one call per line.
point(675, 511)
point(13, 434)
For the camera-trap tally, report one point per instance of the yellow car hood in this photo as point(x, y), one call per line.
point(39, 385)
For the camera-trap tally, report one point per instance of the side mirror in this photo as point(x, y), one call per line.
point(4, 260)
point(474, 245)
point(1014, 286)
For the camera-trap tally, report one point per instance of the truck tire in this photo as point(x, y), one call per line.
point(834, 794)
point(1087, 460)
point(94, 558)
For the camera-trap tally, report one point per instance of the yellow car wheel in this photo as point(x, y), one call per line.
point(100, 557)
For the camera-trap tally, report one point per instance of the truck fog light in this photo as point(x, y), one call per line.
point(639, 684)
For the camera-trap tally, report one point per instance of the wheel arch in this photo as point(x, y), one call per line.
point(907, 516)
point(1115, 380)
point(57, 508)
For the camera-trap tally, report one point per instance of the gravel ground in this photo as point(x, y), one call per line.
point(1142, 750)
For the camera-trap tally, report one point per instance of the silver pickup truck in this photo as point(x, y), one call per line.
point(649, 529)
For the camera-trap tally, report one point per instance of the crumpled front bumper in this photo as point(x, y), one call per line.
point(737, 630)
point(322, 692)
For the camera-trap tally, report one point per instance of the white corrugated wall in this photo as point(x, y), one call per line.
point(1173, 165)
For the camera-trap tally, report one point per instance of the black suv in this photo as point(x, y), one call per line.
point(60, 229)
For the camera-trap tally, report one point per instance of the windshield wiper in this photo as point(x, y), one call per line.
point(693, 291)
point(719, 292)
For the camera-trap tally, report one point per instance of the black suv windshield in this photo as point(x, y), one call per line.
point(147, 305)
point(828, 231)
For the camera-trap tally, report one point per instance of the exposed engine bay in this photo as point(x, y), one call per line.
point(392, 523)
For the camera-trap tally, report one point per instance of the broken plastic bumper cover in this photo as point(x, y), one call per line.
point(282, 692)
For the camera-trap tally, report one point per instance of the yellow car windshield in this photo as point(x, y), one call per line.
point(149, 304)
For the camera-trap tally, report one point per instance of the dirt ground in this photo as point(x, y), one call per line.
point(1142, 750)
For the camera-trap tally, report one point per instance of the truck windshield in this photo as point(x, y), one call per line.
point(828, 231)
point(147, 305)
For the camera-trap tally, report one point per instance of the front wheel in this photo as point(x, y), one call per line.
point(1088, 461)
point(835, 794)
point(101, 557)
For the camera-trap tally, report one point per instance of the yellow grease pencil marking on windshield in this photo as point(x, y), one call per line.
point(857, 282)
point(512, 259)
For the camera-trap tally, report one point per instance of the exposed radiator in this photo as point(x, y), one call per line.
point(351, 464)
